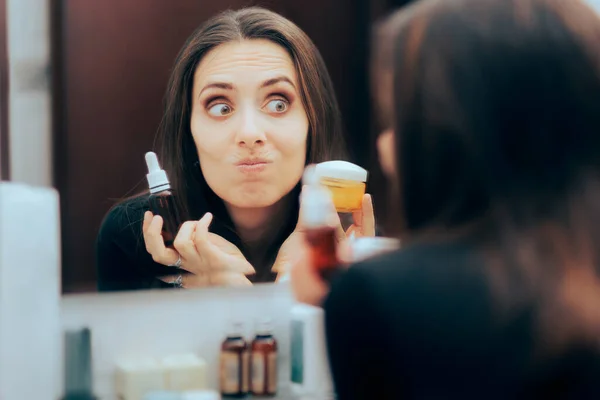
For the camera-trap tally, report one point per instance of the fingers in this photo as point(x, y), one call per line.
point(155, 245)
point(223, 244)
point(368, 216)
point(220, 278)
point(344, 253)
point(147, 219)
point(340, 235)
point(201, 239)
point(288, 252)
point(184, 244)
point(187, 244)
point(302, 210)
point(228, 278)
point(203, 252)
point(306, 284)
point(239, 265)
point(217, 252)
point(188, 281)
point(232, 257)
point(363, 219)
point(333, 218)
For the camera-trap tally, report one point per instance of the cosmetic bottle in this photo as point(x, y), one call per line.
point(345, 181)
point(78, 366)
point(319, 229)
point(136, 377)
point(162, 199)
point(310, 374)
point(263, 361)
point(235, 364)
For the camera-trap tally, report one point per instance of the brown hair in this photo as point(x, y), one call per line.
point(177, 148)
point(496, 116)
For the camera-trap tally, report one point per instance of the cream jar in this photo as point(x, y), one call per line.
point(345, 181)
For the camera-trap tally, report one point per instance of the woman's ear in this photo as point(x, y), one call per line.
point(387, 152)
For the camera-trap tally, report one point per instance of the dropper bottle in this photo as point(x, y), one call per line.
point(162, 200)
point(319, 232)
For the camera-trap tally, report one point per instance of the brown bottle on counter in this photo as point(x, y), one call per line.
point(162, 200)
point(235, 364)
point(263, 361)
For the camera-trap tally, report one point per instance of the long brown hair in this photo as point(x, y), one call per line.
point(497, 129)
point(177, 149)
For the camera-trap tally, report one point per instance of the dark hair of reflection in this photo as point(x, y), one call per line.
point(178, 152)
point(496, 114)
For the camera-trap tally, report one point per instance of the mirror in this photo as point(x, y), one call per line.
point(111, 64)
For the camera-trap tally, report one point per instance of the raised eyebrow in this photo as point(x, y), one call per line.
point(273, 81)
point(217, 85)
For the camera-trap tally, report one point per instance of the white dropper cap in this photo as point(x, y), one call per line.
point(316, 200)
point(157, 178)
point(264, 326)
point(236, 329)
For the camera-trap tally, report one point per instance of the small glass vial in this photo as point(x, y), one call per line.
point(235, 364)
point(346, 182)
point(263, 365)
point(319, 231)
point(162, 200)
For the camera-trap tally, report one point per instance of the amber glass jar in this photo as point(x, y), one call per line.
point(346, 182)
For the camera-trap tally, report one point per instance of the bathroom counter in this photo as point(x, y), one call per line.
point(286, 394)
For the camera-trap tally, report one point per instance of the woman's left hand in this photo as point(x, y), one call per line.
point(293, 249)
point(364, 219)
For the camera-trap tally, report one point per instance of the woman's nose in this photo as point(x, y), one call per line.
point(250, 132)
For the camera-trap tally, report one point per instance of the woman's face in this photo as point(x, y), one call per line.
point(248, 122)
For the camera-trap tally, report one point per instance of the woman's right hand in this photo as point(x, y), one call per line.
point(209, 259)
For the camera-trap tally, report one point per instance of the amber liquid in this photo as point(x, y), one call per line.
point(347, 195)
point(163, 204)
point(323, 244)
point(264, 357)
point(235, 368)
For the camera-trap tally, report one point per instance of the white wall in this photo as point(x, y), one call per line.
point(159, 323)
point(30, 123)
point(595, 4)
point(30, 329)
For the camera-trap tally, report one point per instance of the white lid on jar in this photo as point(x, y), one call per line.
point(341, 170)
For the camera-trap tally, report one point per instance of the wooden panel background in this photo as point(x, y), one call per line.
point(4, 145)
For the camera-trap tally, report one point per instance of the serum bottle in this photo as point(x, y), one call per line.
point(319, 233)
point(162, 199)
point(235, 364)
point(263, 364)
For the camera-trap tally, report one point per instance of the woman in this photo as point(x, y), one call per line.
point(248, 105)
point(493, 153)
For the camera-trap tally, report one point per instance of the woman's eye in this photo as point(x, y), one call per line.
point(219, 110)
point(277, 106)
